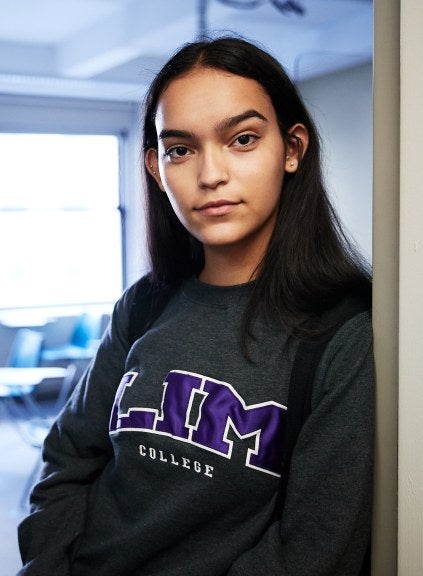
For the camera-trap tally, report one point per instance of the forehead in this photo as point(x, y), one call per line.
point(207, 95)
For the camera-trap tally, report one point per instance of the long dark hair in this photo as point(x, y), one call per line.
point(309, 265)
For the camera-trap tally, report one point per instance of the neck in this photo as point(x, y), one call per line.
point(223, 268)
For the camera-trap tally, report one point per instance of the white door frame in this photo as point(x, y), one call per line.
point(398, 287)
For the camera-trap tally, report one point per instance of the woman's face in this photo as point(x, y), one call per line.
point(221, 159)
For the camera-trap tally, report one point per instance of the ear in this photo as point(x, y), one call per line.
point(296, 147)
point(152, 166)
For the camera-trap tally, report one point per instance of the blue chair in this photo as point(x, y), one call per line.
point(26, 349)
point(82, 344)
point(24, 357)
point(24, 353)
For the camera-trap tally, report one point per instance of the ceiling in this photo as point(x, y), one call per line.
point(112, 48)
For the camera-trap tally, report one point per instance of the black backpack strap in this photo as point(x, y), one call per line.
point(306, 361)
point(148, 303)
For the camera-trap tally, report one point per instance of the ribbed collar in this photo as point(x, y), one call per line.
point(216, 296)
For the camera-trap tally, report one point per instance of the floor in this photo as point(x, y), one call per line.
point(17, 461)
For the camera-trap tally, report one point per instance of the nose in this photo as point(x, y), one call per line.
point(213, 170)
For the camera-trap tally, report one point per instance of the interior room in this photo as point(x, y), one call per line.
point(72, 78)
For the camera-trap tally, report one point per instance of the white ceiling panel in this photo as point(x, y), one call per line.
point(125, 41)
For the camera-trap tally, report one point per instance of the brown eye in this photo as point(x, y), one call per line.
point(244, 139)
point(180, 151)
point(177, 152)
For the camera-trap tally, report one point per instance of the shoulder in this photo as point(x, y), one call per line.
point(145, 300)
point(352, 326)
point(140, 289)
point(348, 357)
point(337, 326)
point(123, 309)
point(347, 308)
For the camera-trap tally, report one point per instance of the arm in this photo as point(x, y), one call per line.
point(75, 451)
point(326, 521)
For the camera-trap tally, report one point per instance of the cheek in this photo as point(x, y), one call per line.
point(177, 196)
point(170, 185)
point(174, 200)
point(268, 163)
point(174, 179)
point(272, 190)
point(269, 177)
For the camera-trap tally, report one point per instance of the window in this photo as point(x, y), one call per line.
point(60, 222)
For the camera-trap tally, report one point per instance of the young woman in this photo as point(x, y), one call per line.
point(168, 458)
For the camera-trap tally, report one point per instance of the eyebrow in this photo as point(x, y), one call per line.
point(220, 127)
point(235, 120)
point(175, 134)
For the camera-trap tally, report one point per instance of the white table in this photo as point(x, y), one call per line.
point(19, 381)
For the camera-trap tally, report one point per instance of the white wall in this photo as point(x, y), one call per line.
point(410, 409)
point(341, 105)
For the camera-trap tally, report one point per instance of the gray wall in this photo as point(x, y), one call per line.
point(341, 105)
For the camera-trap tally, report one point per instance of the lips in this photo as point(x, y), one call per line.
point(218, 208)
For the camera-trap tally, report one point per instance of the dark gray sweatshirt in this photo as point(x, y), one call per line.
point(166, 460)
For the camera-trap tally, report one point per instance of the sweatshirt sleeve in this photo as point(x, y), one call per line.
point(325, 526)
point(75, 451)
